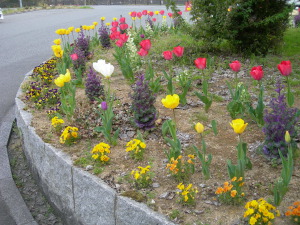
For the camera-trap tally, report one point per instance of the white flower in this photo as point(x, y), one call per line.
point(106, 69)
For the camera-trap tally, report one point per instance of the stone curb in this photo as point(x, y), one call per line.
point(76, 195)
point(17, 211)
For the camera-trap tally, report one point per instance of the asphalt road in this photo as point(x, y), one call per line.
point(26, 39)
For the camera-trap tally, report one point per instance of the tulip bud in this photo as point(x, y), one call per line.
point(287, 137)
point(104, 105)
point(199, 128)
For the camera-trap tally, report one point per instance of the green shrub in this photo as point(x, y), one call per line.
point(250, 27)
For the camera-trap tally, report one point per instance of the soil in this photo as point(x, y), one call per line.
point(162, 196)
point(37, 204)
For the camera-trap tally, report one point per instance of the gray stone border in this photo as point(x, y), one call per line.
point(78, 196)
point(17, 211)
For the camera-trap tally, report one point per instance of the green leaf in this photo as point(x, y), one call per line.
point(214, 126)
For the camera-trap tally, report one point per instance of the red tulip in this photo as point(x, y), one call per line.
point(139, 14)
point(285, 68)
point(180, 13)
point(122, 20)
point(257, 72)
point(178, 51)
point(114, 23)
point(123, 26)
point(114, 35)
point(74, 57)
point(170, 15)
point(162, 12)
point(150, 13)
point(119, 43)
point(133, 14)
point(168, 55)
point(154, 19)
point(145, 44)
point(145, 12)
point(235, 66)
point(142, 52)
point(124, 37)
point(200, 63)
point(113, 29)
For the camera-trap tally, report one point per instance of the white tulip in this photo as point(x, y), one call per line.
point(106, 69)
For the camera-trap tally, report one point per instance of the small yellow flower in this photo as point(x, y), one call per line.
point(171, 101)
point(95, 23)
point(164, 17)
point(238, 125)
point(233, 193)
point(199, 128)
point(133, 18)
point(102, 18)
point(115, 19)
point(107, 24)
point(57, 41)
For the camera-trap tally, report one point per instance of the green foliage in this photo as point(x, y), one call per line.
point(170, 127)
point(205, 162)
point(281, 186)
point(204, 97)
point(253, 26)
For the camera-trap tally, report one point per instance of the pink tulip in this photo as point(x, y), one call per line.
point(142, 52)
point(200, 63)
point(178, 51)
point(235, 66)
point(162, 12)
point(122, 20)
point(146, 44)
point(119, 43)
point(145, 12)
point(124, 37)
point(168, 55)
point(123, 26)
point(74, 57)
point(285, 68)
point(257, 72)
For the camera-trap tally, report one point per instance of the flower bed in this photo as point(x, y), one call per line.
point(164, 138)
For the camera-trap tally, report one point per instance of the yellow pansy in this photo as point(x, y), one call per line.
point(238, 125)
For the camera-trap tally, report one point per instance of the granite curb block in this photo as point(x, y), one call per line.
point(9, 193)
point(78, 196)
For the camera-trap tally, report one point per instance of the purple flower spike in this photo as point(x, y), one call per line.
point(104, 105)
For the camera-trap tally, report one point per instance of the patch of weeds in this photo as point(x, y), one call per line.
point(13, 162)
point(174, 214)
point(200, 116)
point(135, 195)
point(18, 181)
point(97, 170)
point(82, 161)
point(217, 98)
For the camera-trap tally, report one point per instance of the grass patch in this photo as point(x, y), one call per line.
point(291, 45)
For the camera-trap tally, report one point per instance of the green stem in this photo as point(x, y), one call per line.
point(174, 118)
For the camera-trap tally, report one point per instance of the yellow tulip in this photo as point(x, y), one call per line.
point(59, 81)
point(199, 128)
point(238, 126)
point(102, 18)
point(287, 137)
point(84, 27)
point(60, 31)
point(156, 12)
point(71, 29)
point(58, 52)
point(115, 19)
point(57, 41)
point(107, 24)
point(95, 23)
point(133, 18)
point(77, 30)
point(68, 32)
point(164, 17)
point(171, 101)
point(67, 76)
